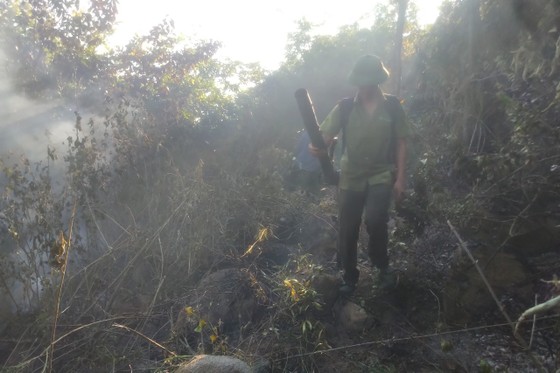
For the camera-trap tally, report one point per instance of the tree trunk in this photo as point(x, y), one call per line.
point(474, 22)
point(396, 73)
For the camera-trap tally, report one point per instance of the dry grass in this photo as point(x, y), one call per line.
point(155, 235)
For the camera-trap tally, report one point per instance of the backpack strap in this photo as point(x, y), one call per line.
point(393, 106)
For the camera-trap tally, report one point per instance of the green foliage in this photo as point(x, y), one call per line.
point(174, 83)
point(485, 367)
point(51, 42)
point(33, 214)
point(295, 322)
point(490, 140)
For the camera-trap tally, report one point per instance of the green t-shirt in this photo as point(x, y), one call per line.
point(368, 138)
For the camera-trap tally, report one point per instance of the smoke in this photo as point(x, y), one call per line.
point(28, 127)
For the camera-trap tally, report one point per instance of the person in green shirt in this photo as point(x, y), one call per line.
point(372, 167)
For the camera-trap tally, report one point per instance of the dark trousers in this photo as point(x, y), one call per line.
point(375, 200)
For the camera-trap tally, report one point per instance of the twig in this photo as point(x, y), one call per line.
point(498, 303)
point(46, 350)
point(150, 308)
point(484, 279)
point(516, 171)
point(20, 340)
point(403, 339)
point(511, 228)
point(58, 299)
point(519, 216)
point(120, 278)
point(101, 234)
point(161, 273)
point(534, 324)
point(438, 304)
point(146, 338)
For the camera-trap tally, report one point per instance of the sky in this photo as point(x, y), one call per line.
point(250, 30)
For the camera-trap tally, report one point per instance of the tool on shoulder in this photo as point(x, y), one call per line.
point(312, 127)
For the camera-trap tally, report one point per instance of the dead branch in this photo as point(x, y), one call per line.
point(475, 263)
point(65, 246)
point(159, 345)
point(520, 339)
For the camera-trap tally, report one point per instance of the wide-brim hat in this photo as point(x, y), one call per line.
point(368, 70)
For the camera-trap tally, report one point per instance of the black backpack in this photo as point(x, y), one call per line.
point(392, 105)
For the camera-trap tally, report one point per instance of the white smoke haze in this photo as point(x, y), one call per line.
point(28, 127)
point(25, 126)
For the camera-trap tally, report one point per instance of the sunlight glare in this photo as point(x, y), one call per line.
point(249, 30)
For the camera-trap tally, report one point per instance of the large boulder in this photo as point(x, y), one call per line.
point(466, 296)
point(214, 364)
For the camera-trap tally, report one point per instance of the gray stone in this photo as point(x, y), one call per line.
point(353, 317)
point(326, 287)
point(214, 364)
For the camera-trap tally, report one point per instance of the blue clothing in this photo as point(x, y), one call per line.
point(304, 159)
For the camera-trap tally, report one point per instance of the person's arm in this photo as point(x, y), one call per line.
point(400, 182)
point(316, 152)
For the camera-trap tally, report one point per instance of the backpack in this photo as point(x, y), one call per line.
point(392, 106)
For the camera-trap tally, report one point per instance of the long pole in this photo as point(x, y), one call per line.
point(312, 128)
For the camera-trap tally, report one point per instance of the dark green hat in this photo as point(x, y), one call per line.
point(368, 70)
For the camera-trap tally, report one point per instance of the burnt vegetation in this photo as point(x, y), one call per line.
point(164, 223)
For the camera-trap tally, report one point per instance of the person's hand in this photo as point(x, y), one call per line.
point(316, 152)
point(398, 190)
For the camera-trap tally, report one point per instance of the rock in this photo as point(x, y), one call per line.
point(465, 294)
point(224, 298)
point(326, 287)
point(214, 364)
point(353, 317)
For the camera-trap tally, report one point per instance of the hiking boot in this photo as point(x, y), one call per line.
point(346, 288)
